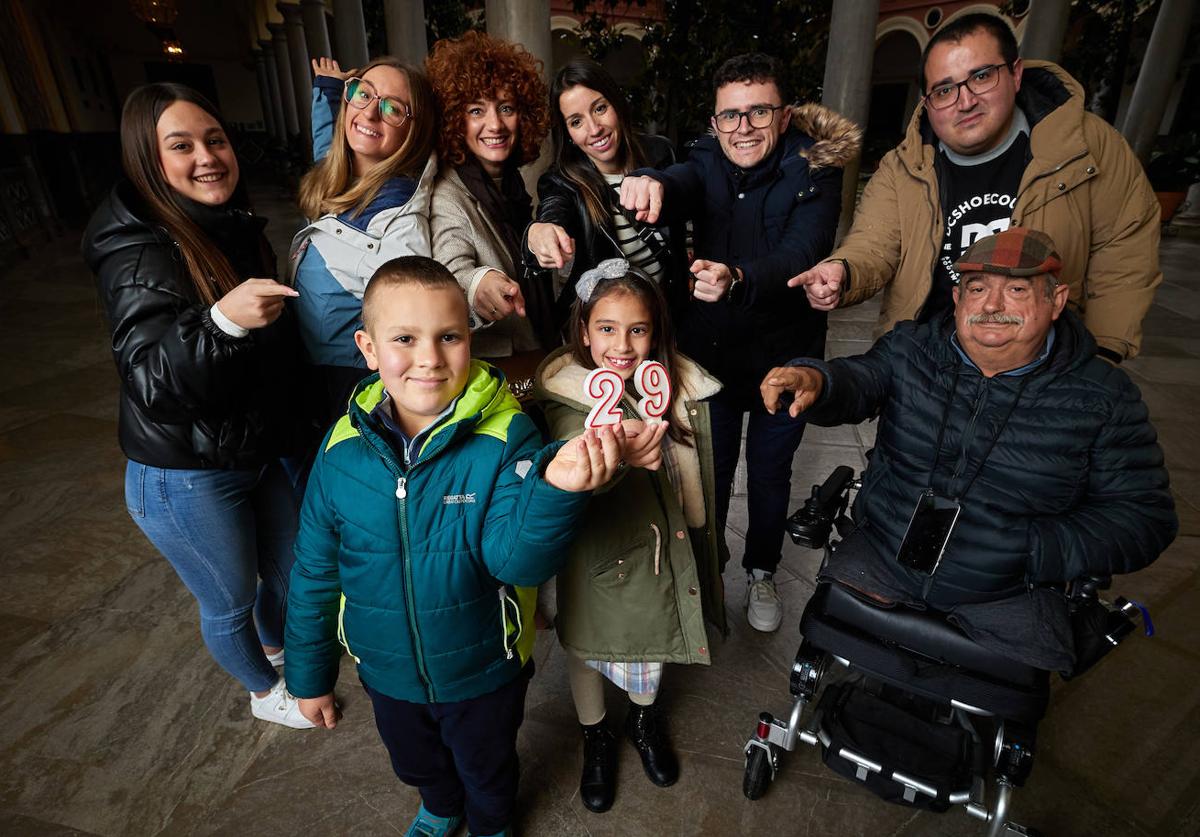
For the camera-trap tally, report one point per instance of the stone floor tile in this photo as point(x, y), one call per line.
point(118, 723)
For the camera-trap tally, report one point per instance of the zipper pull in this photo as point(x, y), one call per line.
point(401, 491)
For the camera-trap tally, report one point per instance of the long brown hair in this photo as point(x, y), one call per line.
point(330, 186)
point(662, 334)
point(570, 159)
point(211, 273)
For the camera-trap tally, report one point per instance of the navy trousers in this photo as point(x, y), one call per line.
point(771, 442)
point(461, 756)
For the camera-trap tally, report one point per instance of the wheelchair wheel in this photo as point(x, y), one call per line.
point(758, 773)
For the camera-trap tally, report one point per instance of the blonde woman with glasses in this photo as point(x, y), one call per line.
point(366, 200)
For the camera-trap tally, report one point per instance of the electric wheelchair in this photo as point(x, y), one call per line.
point(932, 719)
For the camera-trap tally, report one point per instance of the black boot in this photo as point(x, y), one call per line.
point(598, 784)
point(647, 729)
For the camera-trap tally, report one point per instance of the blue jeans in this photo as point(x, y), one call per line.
point(771, 442)
point(223, 531)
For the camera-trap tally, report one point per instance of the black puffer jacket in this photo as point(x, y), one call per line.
point(559, 202)
point(1074, 484)
point(191, 395)
point(773, 221)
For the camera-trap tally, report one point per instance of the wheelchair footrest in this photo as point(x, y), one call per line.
point(901, 754)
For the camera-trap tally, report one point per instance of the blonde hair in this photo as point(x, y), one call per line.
point(330, 187)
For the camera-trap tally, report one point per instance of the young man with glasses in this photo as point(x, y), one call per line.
point(764, 193)
point(997, 141)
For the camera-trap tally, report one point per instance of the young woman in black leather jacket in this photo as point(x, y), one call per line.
point(579, 222)
point(207, 361)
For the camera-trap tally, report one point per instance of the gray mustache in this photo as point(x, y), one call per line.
point(996, 319)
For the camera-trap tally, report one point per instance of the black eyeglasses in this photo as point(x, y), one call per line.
point(979, 82)
point(360, 94)
point(759, 116)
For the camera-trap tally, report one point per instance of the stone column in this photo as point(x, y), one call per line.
point(283, 73)
point(315, 31)
point(848, 79)
point(1157, 75)
point(405, 20)
point(293, 21)
point(525, 22)
point(1045, 28)
point(275, 96)
point(351, 33)
point(264, 93)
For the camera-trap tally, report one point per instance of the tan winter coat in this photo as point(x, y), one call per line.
point(1083, 187)
point(466, 241)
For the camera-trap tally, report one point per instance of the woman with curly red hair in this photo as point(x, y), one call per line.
point(494, 116)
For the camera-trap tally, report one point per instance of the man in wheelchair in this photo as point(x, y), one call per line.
point(1010, 464)
point(1010, 460)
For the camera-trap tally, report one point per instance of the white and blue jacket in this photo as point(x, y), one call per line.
point(334, 257)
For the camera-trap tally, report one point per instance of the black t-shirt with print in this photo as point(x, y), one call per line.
point(979, 203)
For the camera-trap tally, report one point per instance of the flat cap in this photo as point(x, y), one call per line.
point(1018, 251)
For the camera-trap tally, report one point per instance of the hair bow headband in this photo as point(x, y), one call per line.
point(607, 269)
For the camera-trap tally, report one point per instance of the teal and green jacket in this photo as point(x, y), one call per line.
point(426, 572)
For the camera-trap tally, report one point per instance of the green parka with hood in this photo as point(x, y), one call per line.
point(642, 574)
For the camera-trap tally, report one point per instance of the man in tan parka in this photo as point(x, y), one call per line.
point(997, 142)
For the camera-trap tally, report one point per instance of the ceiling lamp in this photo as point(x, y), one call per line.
point(159, 17)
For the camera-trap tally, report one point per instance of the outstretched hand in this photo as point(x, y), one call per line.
point(643, 443)
point(550, 244)
point(643, 196)
point(803, 382)
point(712, 280)
point(256, 302)
point(498, 297)
point(330, 68)
point(822, 284)
point(589, 460)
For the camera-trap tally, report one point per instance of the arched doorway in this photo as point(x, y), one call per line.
point(894, 93)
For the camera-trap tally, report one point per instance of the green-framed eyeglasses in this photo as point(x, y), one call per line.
point(360, 93)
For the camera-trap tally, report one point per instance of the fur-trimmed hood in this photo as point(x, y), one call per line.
point(837, 140)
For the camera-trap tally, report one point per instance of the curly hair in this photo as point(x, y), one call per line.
point(475, 67)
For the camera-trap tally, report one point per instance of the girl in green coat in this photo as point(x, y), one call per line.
point(644, 569)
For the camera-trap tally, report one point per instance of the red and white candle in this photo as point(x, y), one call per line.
point(654, 384)
point(605, 387)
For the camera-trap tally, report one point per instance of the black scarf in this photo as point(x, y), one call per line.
point(510, 209)
point(237, 233)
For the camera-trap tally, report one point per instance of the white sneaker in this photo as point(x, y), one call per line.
point(279, 707)
point(764, 610)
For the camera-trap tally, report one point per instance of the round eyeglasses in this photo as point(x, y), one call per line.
point(759, 116)
point(360, 94)
point(980, 81)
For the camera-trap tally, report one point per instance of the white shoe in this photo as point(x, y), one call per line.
point(279, 707)
point(276, 659)
point(764, 610)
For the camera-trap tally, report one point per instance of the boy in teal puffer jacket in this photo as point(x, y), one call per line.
point(431, 514)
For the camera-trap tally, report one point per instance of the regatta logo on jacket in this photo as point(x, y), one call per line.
point(458, 499)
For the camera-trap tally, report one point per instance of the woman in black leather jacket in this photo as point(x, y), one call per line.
point(207, 363)
point(579, 222)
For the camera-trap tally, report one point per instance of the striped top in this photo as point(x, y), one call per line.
point(635, 250)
